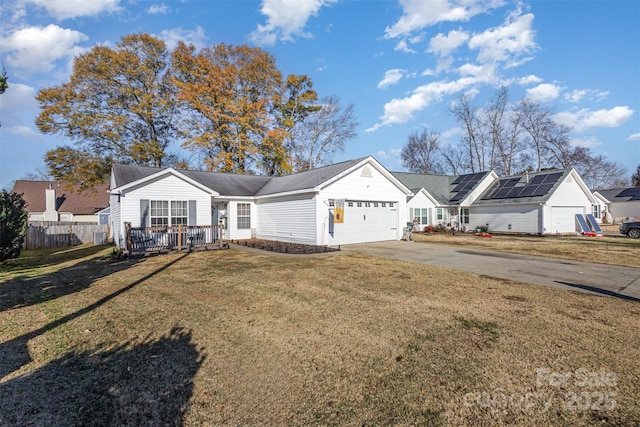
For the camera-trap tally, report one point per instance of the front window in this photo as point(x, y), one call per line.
point(596, 211)
point(164, 213)
point(439, 214)
point(421, 215)
point(179, 212)
point(244, 215)
point(464, 214)
point(159, 214)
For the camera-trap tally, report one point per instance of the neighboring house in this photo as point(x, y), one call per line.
point(623, 203)
point(443, 200)
point(535, 203)
point(51, 201)
point(349, 202)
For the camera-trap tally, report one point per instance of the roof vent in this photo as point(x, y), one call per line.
point(366, 172)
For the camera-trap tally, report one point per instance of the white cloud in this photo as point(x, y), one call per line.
point(543, 92)
point(444, 45)
point(196, 37)
point(18, 107)
point(530, 79)
point(391, 77)
point(588, 142)
point(419, 14)
point(23, 131)
point(402, 46)
point(35, 49)
point(585, 119)
point(401, 110)
point(63, 9)
point(286, 19)
point(508, 41)
point(158, 9)
point(633, 137)
point(575, 95)
point(395, 151)
point(382, 155)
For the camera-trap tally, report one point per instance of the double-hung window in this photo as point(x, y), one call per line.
point(421, 214)
point(179, 212)
point(439, 214)
point(159, 213)
point(164, 213)
point(464, 216)
point(244, 215)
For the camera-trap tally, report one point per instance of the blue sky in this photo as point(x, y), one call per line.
point(401, 63)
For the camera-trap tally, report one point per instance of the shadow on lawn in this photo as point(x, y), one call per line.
point(23, 291)
point(15, 353)
point(148, 383)
point(600, 291)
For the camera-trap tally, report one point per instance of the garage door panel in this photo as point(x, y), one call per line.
point(368, 224)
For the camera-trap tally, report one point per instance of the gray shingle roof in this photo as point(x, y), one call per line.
point(618, 195)
point(227, 184)
point(440, 186)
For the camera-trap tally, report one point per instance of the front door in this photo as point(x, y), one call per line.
point(214, 220)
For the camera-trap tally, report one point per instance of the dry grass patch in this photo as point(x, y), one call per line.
point(604, 250)
point(233, 338)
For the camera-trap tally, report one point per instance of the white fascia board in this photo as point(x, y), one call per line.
point(582, 185)
point(288, 193)
point(428, 195)
point(601, 197)
point(373, 162)
point(159, 174)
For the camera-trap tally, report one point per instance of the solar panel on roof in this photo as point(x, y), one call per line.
point(501, 193)
point(510, 183)
point(537, 179)
point(552, 178)
point(514, 192)
point(542, 190)
point(457, 180)
point(529, 190)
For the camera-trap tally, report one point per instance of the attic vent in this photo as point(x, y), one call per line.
point(569, 180)
point(366, 172)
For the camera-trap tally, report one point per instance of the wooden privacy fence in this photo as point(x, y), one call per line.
point(157, 239)
point(52, 234)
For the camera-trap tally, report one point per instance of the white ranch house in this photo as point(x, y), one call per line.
point(298, 208)
point(349, 202)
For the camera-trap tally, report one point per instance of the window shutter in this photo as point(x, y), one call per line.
point(144, 213)
point(192, 213)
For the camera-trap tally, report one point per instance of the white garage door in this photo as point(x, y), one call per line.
point(368, 222)
point(563, 218)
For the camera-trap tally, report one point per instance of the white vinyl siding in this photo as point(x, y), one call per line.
point(170, 188)
point(363, 185)
point(506, 219)
point(288, 219)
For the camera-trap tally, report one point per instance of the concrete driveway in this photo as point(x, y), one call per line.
point(621, 282)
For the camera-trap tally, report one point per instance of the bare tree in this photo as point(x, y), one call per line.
point(635, 178)
point(422, 153)
point(456, 160)
point(475, 139)
point(596, 171)
point(322, 133)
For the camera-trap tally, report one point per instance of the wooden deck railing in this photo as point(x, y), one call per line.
point(140, 240)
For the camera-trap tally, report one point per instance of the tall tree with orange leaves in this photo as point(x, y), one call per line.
point(119, 105)
point(241, 110)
